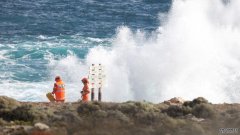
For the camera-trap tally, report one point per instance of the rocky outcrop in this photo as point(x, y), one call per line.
point(129, 118)
point(175, 101)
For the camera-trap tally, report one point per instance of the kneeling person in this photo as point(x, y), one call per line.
point(59, 89)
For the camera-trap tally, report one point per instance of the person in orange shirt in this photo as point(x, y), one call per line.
point(85, 90)
point(59, 89)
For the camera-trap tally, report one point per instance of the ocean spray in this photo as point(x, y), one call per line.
point(195, 53)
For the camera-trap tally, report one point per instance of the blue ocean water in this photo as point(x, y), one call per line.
point(35, 33)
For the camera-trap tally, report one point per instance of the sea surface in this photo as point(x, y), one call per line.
point(36, 35)
point(151, 50)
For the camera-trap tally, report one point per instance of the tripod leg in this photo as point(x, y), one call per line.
point(92, 94)
point(99, 94)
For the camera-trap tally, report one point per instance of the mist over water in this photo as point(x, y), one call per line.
point(193, 52)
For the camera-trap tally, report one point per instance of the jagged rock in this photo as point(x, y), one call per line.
point(175, 101)
point(41, 126)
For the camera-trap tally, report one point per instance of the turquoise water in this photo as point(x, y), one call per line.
point(33, 34)
point(152, 50)
point(32, 30)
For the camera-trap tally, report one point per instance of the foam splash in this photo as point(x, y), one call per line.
point(195, 53)
point(71, 70)
point(29, 66)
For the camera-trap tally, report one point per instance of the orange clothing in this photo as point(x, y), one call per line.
point(59, 91)
point(85, 93)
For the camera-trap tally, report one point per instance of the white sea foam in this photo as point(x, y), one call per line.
point(42, 37)
point(2, 53)
point(195, 53)
point(71, 70)
point(29, 91)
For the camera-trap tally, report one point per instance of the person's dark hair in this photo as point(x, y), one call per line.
point(57, 78)
point(85, 80)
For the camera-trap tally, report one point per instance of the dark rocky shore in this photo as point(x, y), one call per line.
point(197, 117)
